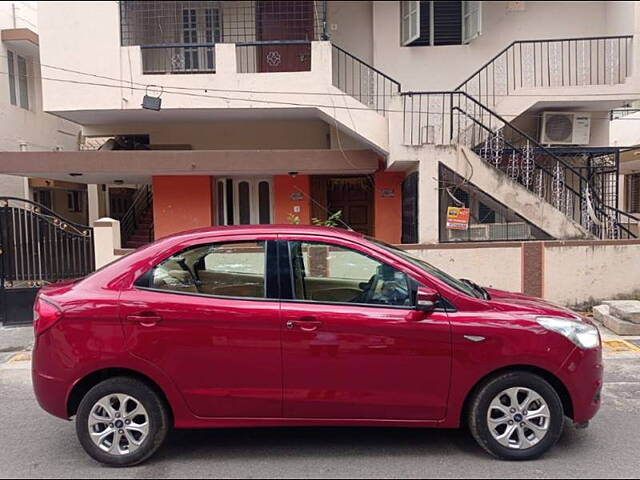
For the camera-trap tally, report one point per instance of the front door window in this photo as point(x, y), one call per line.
point(334, 274)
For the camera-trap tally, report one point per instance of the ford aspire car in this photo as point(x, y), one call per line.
point(256, 326)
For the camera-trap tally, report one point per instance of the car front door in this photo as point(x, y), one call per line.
point(208, 315)
point(353, 344)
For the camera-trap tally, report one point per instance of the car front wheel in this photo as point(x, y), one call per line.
point(121, 422)
point(516, 416)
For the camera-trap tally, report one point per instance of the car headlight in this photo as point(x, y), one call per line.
point(582, 334)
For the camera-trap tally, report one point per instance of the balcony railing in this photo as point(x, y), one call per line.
point(179, 36)
point(363, 82)
point(178, 58)
point(265, 57)
point(551, 63)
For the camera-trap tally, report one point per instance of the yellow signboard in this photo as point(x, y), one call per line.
point(457, 218)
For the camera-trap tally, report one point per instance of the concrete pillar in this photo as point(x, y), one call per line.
point(106, 240)
point(226, 58)
point(321, 61)
point(93, 196)
point(428, 199)
point(388, 206)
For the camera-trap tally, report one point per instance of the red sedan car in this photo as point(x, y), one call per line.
point(285, 325)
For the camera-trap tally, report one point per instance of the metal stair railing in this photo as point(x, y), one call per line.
point(142, 201)
point(459, 118)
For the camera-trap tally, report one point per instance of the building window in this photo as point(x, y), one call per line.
point(244, 201)
point(43, 197)
point(18, 80)
point(12, 78)
point(633, 193)
point(74, 201)
point(442, 22)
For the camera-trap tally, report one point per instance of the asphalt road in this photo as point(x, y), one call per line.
point(33, 444)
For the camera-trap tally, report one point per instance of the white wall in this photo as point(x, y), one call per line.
point(33, 128)
point(498, 267)
point(444, 67)
point(576, 275)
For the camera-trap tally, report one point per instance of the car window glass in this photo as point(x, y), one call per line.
point(220, 269)
point(330, 273)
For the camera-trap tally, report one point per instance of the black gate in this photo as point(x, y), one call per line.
point(37, 247)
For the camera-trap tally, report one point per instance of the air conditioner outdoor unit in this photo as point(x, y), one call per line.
point(565, 128)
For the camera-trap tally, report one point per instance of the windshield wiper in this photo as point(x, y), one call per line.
point(485, 295)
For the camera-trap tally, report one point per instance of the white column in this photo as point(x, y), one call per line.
point(428, 200)
point(226, 58)
point(93, 196)
point(106, 240)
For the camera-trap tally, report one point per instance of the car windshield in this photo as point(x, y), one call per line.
point(459, 285)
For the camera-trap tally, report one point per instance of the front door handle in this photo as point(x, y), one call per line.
point(145, 320)
point(306, 324)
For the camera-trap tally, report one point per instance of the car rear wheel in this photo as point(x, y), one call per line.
point(516, 416)
point(121, 422)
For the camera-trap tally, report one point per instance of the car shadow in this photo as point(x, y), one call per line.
point(348, 442)
point(316, 442)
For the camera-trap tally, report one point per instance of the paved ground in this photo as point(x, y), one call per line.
point(34, 444)
point(14, 339)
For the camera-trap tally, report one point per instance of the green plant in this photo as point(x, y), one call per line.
point(294, 219)
point(332, 221)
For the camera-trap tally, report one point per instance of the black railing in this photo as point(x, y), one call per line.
point(564, 62)
point(276, 56)
point(169, 22)
point(363, 82)
point(39, 247)
point(178, 58)
point(459, 118)
point(142, 202)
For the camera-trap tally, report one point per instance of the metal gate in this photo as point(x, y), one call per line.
point(37, 247)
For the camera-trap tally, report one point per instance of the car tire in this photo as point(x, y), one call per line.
point(524, 434)
point(121, 422)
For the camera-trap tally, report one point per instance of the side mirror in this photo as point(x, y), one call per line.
point(426, 299)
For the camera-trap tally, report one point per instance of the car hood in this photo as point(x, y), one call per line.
point(520, 303)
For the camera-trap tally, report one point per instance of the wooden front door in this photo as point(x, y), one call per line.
point(353, 196)
point(284, 21)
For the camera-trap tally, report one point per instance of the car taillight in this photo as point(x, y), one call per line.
point(45, 315)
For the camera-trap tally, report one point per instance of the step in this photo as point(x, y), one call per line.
point(602, 313)
point(628, 310)
point(141, 237)
point(135, 244)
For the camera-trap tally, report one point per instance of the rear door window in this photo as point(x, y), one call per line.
point(235, 269)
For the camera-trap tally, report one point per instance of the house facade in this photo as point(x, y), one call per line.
point(24, 126)
point(199, 113)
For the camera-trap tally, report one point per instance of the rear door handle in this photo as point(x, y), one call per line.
point(145, 320)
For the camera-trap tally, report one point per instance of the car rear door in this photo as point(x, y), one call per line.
point(213, 327)
point(352, 356)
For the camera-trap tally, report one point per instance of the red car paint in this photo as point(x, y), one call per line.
point(229, 362)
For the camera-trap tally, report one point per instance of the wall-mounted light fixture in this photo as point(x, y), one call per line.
point(150, 102)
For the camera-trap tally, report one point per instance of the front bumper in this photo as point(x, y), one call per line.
point(582, 374)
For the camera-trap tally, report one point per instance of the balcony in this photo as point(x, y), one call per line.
point(180, 36)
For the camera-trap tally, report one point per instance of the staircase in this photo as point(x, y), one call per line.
point(143, 233)
point(136, 225)
point(547, 190)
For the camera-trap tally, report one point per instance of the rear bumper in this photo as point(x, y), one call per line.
point(582, 374)
point(50, 392)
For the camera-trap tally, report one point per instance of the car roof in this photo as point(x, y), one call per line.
point(284, 229)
